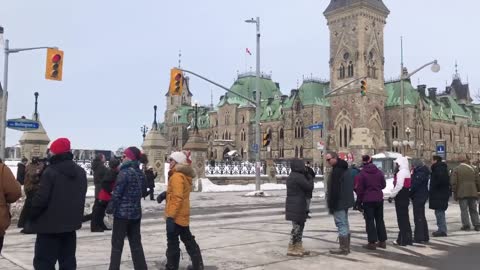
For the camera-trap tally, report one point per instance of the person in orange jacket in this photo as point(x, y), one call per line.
point(10, 192)
point(177, 212)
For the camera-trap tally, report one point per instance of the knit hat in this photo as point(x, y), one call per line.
point(133, 153)
point(60, 146)
point(179, 157)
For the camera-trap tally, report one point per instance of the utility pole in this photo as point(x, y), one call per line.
point(4, 94)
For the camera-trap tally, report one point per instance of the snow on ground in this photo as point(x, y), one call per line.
point(208, 186)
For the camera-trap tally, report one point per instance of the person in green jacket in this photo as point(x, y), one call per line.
point(465, 181)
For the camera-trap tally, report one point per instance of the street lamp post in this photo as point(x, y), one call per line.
point(405, 76)
point(257, 108)
point(4, 93)
point(144, 130)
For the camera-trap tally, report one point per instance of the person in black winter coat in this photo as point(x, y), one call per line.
point(310, 174)
point(151, 175)
point(419, 195)
point(339, 199)
point(298, 187)
point(439, 194)
point(21, 170)
point(99, 171)
point(57, 209)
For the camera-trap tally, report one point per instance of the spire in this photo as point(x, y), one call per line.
point(456, 76)
point(211, 99)
point(179, 58)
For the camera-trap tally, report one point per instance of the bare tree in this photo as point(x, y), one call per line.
point(476, 95)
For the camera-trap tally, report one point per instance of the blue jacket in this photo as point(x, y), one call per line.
point(419, 188)
point(129, 189)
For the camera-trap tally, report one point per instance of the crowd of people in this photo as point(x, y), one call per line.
point(55, 190)
point(413, 182)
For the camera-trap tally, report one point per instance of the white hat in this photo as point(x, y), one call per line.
point(179, 157)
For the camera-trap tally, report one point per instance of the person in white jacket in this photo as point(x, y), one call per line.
point(400, 193)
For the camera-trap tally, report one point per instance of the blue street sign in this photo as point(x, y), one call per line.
point(22, 124)
point(315, 126)
point(440, 148)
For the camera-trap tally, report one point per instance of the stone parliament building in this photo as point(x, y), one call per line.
point(356, 124)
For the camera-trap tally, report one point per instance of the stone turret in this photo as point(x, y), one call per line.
point(155, 146)
point(34, 143)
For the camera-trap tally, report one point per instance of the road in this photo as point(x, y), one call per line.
point(237, 232)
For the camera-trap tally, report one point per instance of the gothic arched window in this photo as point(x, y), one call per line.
point(341, 72)
point(350, 69)
point(281, 135)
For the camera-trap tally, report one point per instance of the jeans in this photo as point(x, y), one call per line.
point(375, 225)
point(441, 221)
point(469, 206)
point(420, 233)
point(151, 191)
point(173, 247)
point(50, 248)
point(341, 221)
point(131, 229)
point(297, 232)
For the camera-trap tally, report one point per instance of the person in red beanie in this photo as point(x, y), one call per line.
point(57, 209)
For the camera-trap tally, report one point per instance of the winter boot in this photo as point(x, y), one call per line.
point(195, 254)
point(348, 242)
point(299, 247)
point(343, 249)
point(173, 261)
point(294, 251)
point(370, 246)
point(382, 245)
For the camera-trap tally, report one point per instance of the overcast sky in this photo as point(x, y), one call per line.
point(118, 54)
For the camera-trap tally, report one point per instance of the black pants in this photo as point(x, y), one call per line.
point(98, 213)
point(421, 226)
point(131, 229)
point(173, 248)
point(1, 243)
point(402, 201)
point(50, 248)
point(374, 223)
point(151, 192)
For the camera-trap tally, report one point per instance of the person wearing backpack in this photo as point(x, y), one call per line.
point(339, 199)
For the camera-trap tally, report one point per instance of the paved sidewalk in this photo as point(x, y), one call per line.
point(236, 232)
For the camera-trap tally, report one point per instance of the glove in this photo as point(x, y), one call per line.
point(110, 208)
point(161, 197)
point(170, 225)
point(390, 199)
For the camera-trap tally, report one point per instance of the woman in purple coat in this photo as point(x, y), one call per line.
point(369, 184)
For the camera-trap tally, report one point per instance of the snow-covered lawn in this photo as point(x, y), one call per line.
point(208, 186)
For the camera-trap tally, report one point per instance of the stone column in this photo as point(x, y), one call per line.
point(155, 146)
point(34, 143)
point(198, 154)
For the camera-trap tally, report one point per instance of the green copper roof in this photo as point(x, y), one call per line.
point(245, 86)
point(411, 95)
point(311, 92)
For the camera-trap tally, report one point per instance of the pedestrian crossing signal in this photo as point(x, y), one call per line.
point(176, 82)
point(363, 87)
point(54, 66)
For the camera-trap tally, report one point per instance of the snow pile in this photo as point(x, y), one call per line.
point(208, 186)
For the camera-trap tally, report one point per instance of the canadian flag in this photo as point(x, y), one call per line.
point(248, 51)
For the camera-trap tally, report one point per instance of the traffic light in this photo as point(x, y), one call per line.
point(176, 82)
point(363, 88)
point(53, 70)
point(267, 137)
